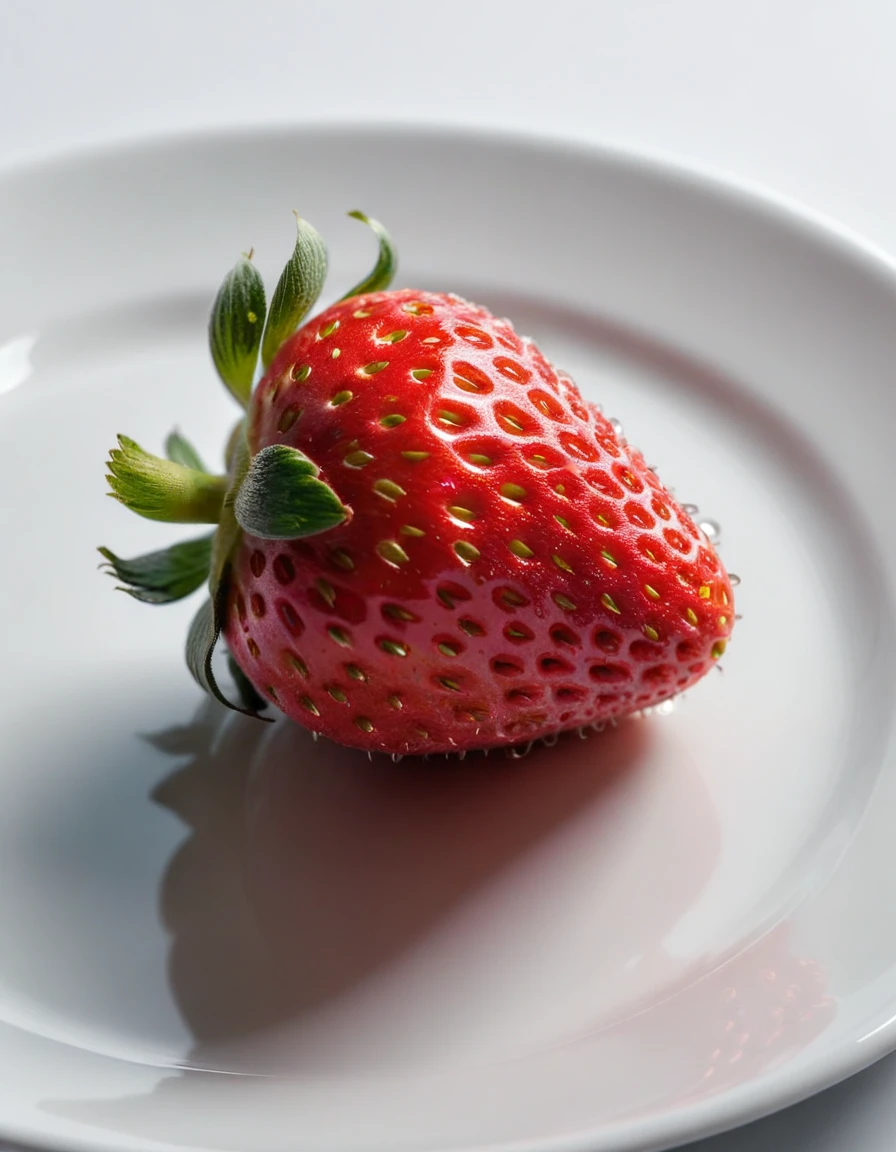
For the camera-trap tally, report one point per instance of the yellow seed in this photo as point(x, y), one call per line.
point(461, 513)
point(471, 627)
point(516, 634)
point(447, 649)
point(410, 530)
point(564, 602)
point(651, 633)
point(341, 558)
point(724, 597)
point(272, 692)
point(326, 590)
point(467, 385)
point(431, 340)
point(451, 685)
point(704, 591)
point(336, 353)
point(609, 557)
point(510, 423)
point(422, 733)
point(341, 398)
point(723, 621)
point(394, 702)
point(452, 418)
point(480, 459)
point(394, 647)
point(718, 649)
point(518, 548)
point(513, 491)
point(691, 616)
point(628, 479)
point(651, 592)
point(252, 317)
point(339, 636)
point(364, 724)
point(650, 555)
point(563, 522)
point(392, 552)
point(355, 672)
point(394, 337)
point(560, 489)
point(414, 457)
point(376, 366)
point(338, 695)
point(561, 563)
point(302, 373)
point(421, 374)
point(288, 418)
point(609, 603)
point(309, 704)
point(357, 459)
point(393, 420)
point(329, 329)
point(361, 314)
point(466, 551)
point(539, 460)
point(298, 665)
point(603, 520)
point(396, 612)
point(389, 490)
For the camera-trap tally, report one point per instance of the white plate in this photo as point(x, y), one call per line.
point(220, 936)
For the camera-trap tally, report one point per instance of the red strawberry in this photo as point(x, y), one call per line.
point(495, 564)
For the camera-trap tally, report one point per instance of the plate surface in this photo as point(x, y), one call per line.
point(219, 935)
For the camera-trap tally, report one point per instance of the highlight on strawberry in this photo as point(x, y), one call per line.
point(425, 539)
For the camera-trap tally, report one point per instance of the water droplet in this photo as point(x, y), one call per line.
point(397, 757)
point(691, 509)
point(665, 708)
point(550, 740)
point(519, 752)
point(616, 425)
point(711, 530)
point(733, 579)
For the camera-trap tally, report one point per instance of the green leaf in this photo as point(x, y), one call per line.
point(181, 451)
point(244, 686)
point(298, 288)
point(387, 260)
point(165, 576)
point(281, 497)
point(162, 489)
point(235, 327)
point(201, 640)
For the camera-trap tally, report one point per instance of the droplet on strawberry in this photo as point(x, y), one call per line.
point(429, 541)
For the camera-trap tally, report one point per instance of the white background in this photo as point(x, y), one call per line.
point(795, 95)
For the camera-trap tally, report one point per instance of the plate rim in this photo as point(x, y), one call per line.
point(779, 1087)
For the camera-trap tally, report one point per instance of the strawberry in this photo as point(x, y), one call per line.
point(427, 540)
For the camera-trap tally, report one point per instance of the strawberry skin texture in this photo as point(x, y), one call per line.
point(511, 567)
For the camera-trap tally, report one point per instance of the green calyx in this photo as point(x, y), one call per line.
point(276, 495)
point(163, 489)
